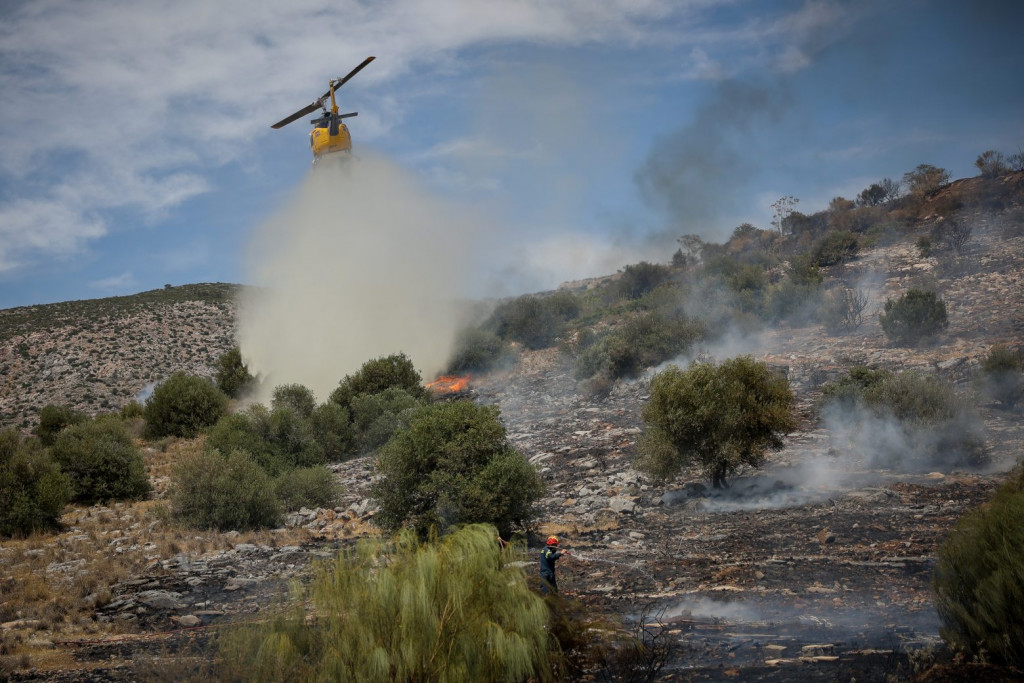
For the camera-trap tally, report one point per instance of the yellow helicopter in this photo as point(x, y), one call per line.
point(329, 134)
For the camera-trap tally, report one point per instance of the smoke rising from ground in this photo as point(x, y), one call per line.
point(359, 264)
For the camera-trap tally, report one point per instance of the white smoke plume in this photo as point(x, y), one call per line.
point(359, 264)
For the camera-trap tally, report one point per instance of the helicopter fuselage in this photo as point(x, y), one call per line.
point(322, 142)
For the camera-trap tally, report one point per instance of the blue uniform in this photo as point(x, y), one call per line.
point(548, 556)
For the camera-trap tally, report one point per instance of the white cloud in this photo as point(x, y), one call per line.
point(115, 283)
point(130, 105)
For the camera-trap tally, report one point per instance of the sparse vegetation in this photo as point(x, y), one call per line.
point(453, 465)
point(979, 579)
point(916, 315)
point(719, 417)
point(183, 405)
point(403, 610)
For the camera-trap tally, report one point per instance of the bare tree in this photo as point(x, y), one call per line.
point(781, 208)
point(893, 189)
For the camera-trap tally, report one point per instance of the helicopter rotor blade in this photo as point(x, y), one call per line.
point(300, 113)
point(342, 81)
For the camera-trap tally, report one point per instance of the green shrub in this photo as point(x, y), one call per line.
point(907, 420)
point(376, 417)
point(979, 579)
point(837, 246)
point(277, 440)
point(717, 416)
point(641, 341)
point(638, 279)
point(211, 491)
point(294, 396)
point(310, 487)
point(1003, 375)
point(914, 316)
point(133, 410)
point(531, 320)
point(377, 375)
point(478, 350)
point(54, 419)
point(332, 429)
point(183, 405)
point(33, 490)
point(453, 465)
point(232, 376)
point(102, 460)
point(399, 610)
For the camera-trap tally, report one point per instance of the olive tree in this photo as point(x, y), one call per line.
point(716, 416)
point(453, 465)
point(183, 405)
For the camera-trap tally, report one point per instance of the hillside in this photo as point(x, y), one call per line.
point(817, 567)
point(100, 354)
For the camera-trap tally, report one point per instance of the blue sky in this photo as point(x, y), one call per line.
point(135, 147)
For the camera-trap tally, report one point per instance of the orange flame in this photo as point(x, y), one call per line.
point(449, 384)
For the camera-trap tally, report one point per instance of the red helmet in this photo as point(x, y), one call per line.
point(552, 540)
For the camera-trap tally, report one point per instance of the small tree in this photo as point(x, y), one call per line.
point(294, 396)
point(926, 179)
point(33, 490)
point(992, 164)
point(377, 375)
point(453, 465)
point(979, 579)
point(183, 405)
point(717, 416)
point(233, 376)
point(102, 460)
point(914, 316)
point(54, 419)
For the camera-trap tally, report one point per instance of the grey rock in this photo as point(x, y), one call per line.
point(160, 599)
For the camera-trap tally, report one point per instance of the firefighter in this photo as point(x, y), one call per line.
point(548, 556)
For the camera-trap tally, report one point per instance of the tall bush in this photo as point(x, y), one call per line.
point(182, 405)
point(54, 419)
point(213, 491)
point(478, 350)
point(979, 579)
point(716, 416)
point(451, 610)
point(916, 315)
point(102, 460)
point(33, 490)
point(453, 465)
point(233, 376)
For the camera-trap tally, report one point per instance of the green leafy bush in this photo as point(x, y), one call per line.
point(102, 460)
point(332, 429)
point(401, 610)
point(638, 343)
point(377, 375)
point(914, 316)
point(33, 490)
point(212, 491)
point(183, 405)
point(54, 419)
point(837, 246)
point(232, 376)
point(310, 487)
point(979, 579)
point(133, 410)
point(376, 417)
point(294, 396)
point(717, 416)
point(478, 350)
point(277, 440)
point(1003, 375)
point(453, 465)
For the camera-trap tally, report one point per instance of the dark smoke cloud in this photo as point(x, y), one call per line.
point(698, 173)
